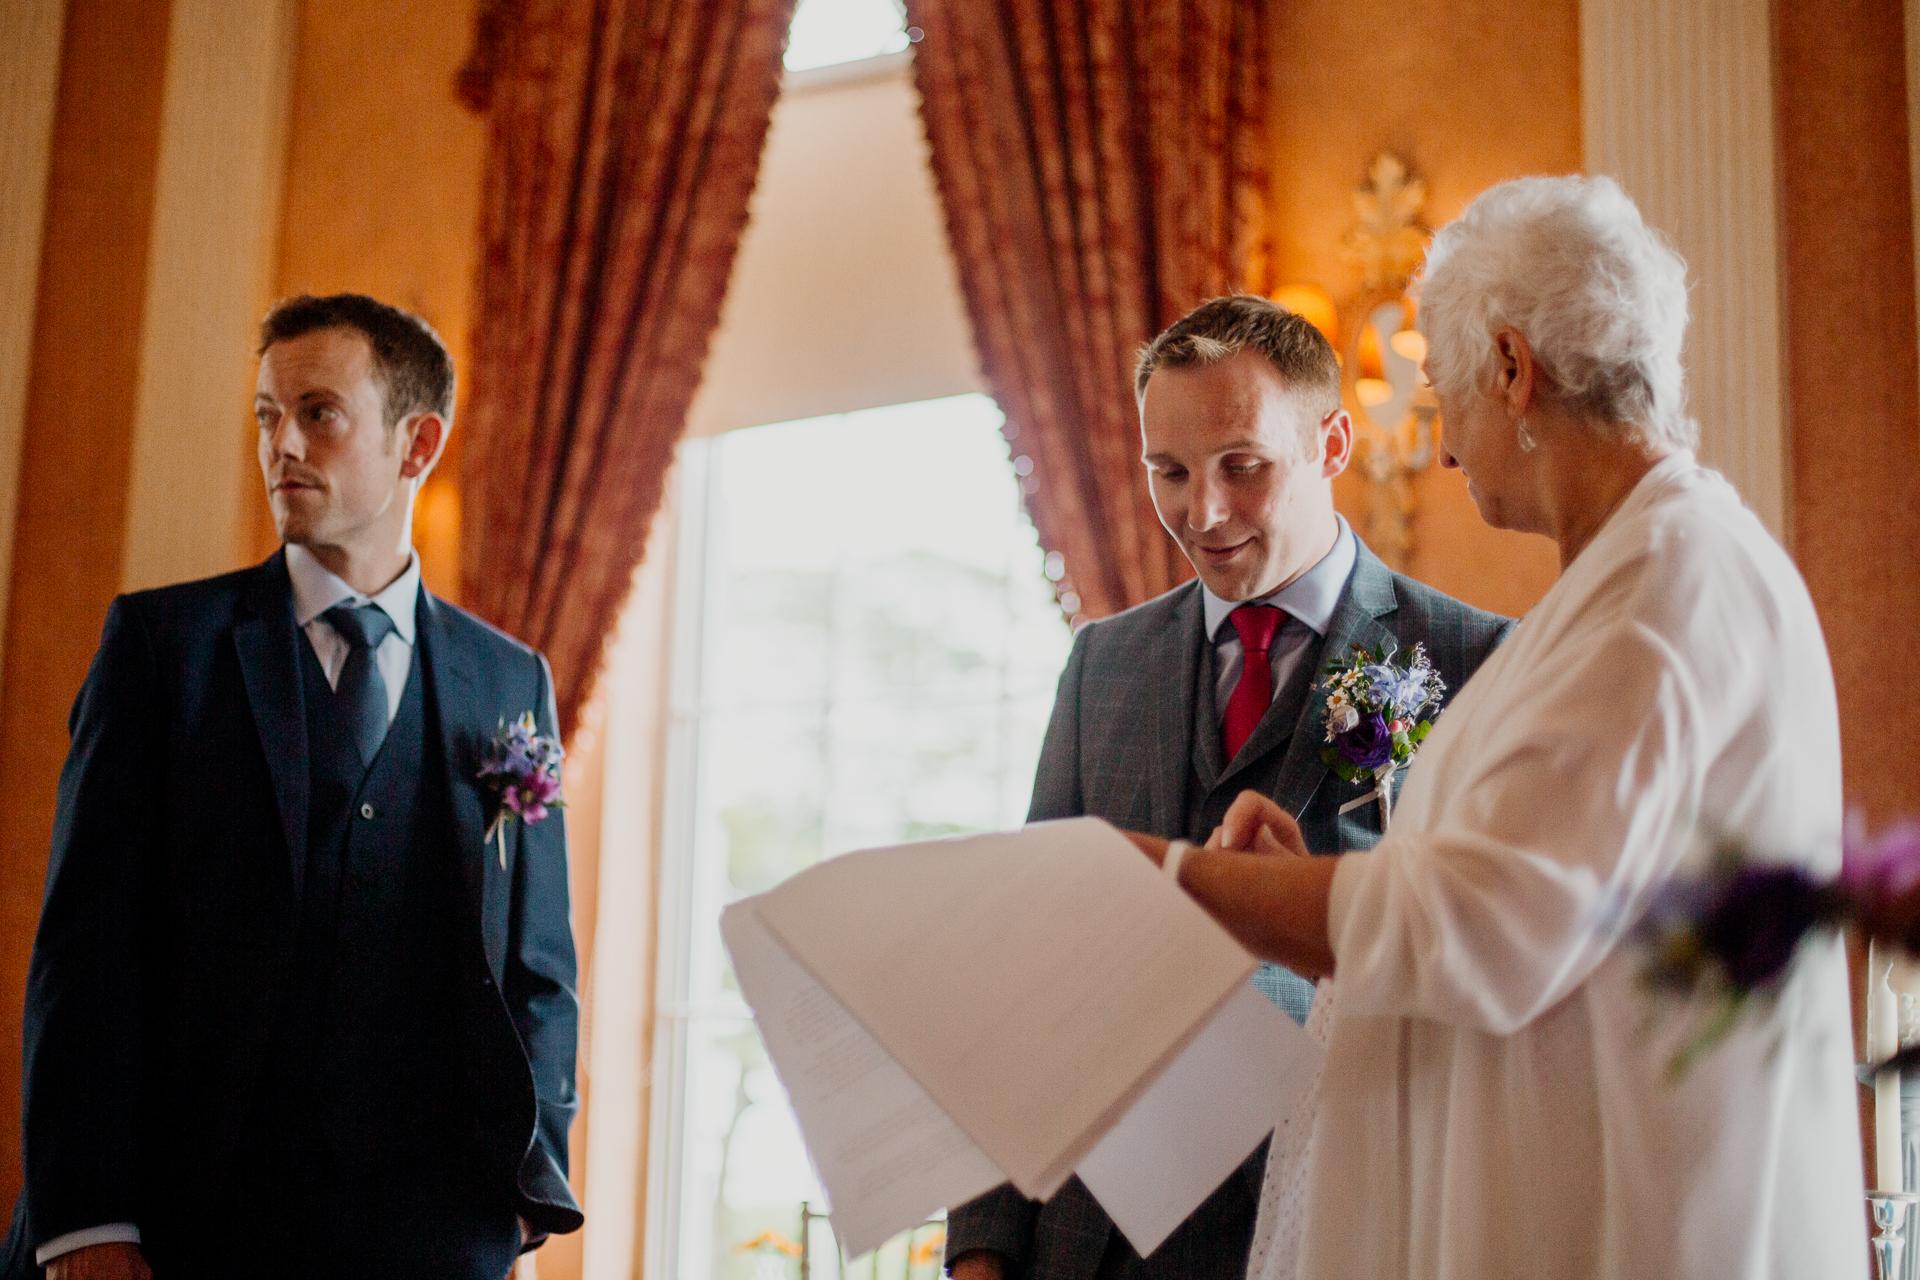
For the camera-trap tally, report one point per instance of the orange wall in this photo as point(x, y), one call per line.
point(383, 193)
point(81, 392)
point(1853, 398)
point(1422, 79)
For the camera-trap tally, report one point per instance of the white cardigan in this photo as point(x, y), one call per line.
point(1493, 1103)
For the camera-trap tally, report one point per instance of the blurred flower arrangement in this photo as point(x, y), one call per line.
point(1374, 710)
point(1727, 937)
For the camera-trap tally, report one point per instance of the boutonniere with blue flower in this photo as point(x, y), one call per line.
point(522, 766)
point(1375, 723)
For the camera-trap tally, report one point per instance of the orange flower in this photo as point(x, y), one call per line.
point(927, 1251)
point(769, 1240)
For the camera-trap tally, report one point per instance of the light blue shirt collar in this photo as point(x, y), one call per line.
point(317, 589)
point(1312, 597)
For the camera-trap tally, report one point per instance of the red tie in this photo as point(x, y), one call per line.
point(1257, 625)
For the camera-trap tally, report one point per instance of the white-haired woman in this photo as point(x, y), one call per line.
point(1493, 1103)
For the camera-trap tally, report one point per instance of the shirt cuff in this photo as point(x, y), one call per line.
point(1346, 881)
point(111, 1233)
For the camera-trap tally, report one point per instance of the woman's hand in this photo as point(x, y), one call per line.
point(1255, 877)
point(1256, 824)
point(1153, 846)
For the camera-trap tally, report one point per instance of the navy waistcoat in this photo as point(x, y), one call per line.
point(368, 1041)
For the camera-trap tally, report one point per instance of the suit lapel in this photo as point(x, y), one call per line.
point(266, 641)
point(1369, 596)
point(453, 683)
point(1174, 668)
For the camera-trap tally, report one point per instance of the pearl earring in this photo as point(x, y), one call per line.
point(1527, 443)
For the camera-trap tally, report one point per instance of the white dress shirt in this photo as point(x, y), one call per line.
point(1312, 598)
point(1494, 1101)
point(315, 590)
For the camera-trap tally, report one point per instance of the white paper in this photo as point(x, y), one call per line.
point(1247, 1069)
point(886, 1153)
point(1033, 983)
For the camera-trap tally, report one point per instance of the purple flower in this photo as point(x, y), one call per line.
point(1884, 867)
point(529, 796)
point(1758, 921)
point(523, 765)
point(1367, 745)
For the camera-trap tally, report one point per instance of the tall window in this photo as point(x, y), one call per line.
point(866, 653)
point(826, 32)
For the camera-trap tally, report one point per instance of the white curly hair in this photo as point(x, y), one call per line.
point(1600, 296)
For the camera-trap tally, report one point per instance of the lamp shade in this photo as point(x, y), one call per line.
point(1311, 304)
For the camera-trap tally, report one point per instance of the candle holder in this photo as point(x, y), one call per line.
point(1889, 1230)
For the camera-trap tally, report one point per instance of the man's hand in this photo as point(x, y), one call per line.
point(1256, 824)
point(116, 1261)
point(977, 1264)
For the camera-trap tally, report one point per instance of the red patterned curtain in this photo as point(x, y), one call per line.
point(1101, 164)
point(625, 138)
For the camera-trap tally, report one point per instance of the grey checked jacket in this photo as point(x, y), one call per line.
point(1134, 740)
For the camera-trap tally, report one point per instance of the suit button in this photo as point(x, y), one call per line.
point(366, 811)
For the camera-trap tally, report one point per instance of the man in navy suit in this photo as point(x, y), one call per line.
point(289, 1013)
point(1168, 711)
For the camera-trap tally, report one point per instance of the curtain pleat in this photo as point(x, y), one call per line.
point(624, 142)
point(1100, 164)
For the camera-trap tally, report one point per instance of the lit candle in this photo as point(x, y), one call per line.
point(1883, 1040)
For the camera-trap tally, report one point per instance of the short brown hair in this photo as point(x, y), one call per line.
point(1222, 327)
point(411, 364)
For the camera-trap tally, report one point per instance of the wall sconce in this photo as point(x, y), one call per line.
point(1312, 305)
point(1393, 408)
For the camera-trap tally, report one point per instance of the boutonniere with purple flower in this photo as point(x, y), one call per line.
point(1378, 714)
point(1726, 937)
point(522, 766)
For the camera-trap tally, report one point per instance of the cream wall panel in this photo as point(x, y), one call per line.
point(620, 989)
point(844, 295)
point(1677, 105)
point(215, 232)
point(29, 79)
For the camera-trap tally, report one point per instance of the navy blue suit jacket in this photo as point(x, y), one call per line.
point(179, 849)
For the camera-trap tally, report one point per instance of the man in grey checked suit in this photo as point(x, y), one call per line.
point(1158, 724)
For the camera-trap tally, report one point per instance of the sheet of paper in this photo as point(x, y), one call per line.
point(1031, 982)
point(1246, 1070)
point(886, 1153)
